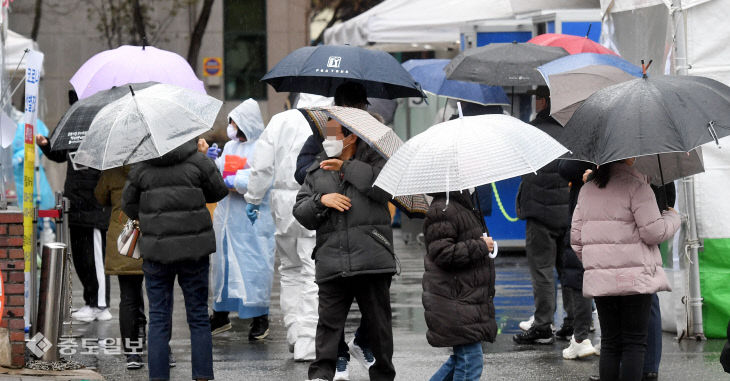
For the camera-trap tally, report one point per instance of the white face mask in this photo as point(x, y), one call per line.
point(332, 147)
point(231, 131)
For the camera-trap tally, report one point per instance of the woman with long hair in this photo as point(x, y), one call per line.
point(615, 231)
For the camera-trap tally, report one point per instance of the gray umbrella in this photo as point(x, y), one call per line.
point(650, 116)
point(510, 64)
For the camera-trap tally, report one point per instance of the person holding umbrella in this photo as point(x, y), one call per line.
point(88, 223)
point(167, 195)
point(542, 200)
point(352, 221)
point(349, 94)
point(615, 231)
point(458, 285)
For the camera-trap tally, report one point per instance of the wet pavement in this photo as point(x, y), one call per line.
point(237, 359)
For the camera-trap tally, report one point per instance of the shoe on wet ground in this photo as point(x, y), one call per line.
point(342, 373)
point(259, 328)
point(535, 336)
point(219, 323)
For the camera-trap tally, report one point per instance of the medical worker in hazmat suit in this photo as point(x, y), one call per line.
point(273, 166)
point(243, 264)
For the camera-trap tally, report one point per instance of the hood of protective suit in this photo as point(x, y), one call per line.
point(312, 100)
point(247, 116)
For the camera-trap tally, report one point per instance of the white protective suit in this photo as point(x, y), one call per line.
point(243, 264)
point(273, 166)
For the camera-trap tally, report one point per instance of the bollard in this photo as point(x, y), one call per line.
point(51, 304)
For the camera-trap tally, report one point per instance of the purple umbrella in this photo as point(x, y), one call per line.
point(133, 64)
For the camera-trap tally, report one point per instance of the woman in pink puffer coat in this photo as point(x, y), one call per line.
point(615, 232)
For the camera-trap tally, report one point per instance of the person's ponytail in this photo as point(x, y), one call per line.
point(602, 175)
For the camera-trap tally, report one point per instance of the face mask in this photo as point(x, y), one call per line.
point(231, 131)
point(332, 147)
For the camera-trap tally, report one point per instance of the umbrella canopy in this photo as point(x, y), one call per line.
point(320, 69)
point(572, 44)
point(72, 128)
point(430, 74)
point(574, 78)
point(649, 116)
point(379, 136)
point(467, 152)
point(134, 64)
point(510, 64)
point(146, 124)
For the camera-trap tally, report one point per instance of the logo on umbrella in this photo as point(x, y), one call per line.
point(334, 61)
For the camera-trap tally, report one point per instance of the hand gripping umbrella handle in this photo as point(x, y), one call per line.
point(495, 251)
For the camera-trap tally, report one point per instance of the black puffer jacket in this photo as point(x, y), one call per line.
point(168, 196)
point(79, 187)
point(571, 271)
point(355, 242)
point(458, 284)
point(544, 196)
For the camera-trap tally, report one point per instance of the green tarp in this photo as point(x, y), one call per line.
point(715, 286)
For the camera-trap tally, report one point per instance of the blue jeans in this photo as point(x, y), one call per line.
point(464, 365)
point(654, 339)
point(192, 276)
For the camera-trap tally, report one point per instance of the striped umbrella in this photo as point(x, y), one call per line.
point(379, 136)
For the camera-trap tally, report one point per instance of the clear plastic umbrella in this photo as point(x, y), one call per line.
point(145, 124)
point(467, 152)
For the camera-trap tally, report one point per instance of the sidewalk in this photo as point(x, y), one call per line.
point(235, 358)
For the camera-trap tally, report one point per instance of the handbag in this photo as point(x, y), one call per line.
point(127, 240)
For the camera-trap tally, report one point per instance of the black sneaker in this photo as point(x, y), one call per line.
point(219, 323)
point(134, 362)
point(259, 328)
point(535, 336)
point(564, 333)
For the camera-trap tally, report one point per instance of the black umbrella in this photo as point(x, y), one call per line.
point(507, 64)
point(510, 64)
point(667, 115)
point(74, 124)
point(320, 69)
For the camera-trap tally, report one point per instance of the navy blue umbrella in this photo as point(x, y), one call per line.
point(430, 74)
point(320, 69)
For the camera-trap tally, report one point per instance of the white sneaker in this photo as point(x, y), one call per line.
point(597, 348)
point(85, 314)
point(103, 314)
point(576, 350)
point(363, 356)
point(525, 325)
point(342, 369)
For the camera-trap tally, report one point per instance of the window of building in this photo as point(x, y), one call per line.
point(244, 44)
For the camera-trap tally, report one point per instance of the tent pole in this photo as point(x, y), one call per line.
point(692, 241)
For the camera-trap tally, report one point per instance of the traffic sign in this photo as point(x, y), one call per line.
point(212, 67)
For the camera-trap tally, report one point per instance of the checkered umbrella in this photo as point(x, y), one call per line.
point(379, 136)
point(72, 128)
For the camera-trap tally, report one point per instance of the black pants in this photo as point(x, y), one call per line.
point(88, 258)
point(544, 246)
point(131, 312)
point(579, 312)
point(624, 325)
point(372, 293)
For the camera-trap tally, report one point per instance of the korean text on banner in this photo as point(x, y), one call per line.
point(32, 78)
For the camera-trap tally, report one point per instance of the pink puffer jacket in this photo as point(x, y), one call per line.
point(615, 232)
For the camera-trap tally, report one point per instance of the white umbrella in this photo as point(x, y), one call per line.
point(146, 124)
point(467, 152)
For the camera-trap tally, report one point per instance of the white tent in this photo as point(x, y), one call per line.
point(15, 45)
point(432, 21)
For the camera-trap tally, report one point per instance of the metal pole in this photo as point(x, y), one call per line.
point(51, 301)
point(33, 290)
point(692, 241)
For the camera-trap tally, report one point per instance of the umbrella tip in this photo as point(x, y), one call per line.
point(131, 90)
point(644, 68)
point(144, 42)
point(461, 114)
point(589, 29)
